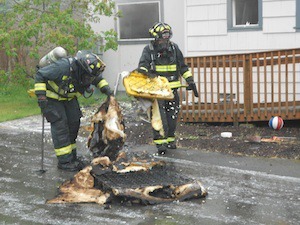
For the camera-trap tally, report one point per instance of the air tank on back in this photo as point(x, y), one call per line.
point(51, 57)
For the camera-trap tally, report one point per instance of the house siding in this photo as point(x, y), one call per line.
point(279, 16)
point(207, 33)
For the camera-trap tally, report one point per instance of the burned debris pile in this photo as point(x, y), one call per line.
point(131, 179)
point(123, 176)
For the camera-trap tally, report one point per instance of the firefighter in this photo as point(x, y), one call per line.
point(164, 58)
point(57, 87)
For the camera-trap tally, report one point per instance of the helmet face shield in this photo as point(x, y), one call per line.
point(90, 63)
point(163, 42)
point(96, 67)
point(166, 35)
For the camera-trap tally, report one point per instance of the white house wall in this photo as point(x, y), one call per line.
point(206, 28)
point(280, 20)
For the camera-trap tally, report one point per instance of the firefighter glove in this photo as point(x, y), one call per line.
point(107, 91)
point(149, 74)
point(192, 86)
point(42, 101)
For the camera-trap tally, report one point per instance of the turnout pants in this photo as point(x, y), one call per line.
point(64, 117)
point(169, 110)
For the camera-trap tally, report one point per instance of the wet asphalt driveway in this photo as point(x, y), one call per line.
point(242, 190)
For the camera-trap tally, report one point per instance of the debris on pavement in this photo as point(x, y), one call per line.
point(274, 139)
point(129, 179)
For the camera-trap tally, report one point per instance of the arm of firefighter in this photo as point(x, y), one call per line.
point(183, 67)
point(186, 73)
point(48, 73)
point(192, 86)
point(40, 91)
point(40, 85)
point(145, 63)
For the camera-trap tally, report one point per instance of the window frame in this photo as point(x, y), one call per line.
point(230, 20)
point(130, 2)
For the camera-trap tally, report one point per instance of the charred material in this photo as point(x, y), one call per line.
point(145, 181)
point(80, 189)
point(107, 135)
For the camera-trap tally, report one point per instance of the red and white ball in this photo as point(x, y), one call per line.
point(276, 122)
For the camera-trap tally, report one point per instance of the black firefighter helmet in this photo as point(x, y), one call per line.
point(90, 63)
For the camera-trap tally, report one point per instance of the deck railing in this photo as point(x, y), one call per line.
point(243, 87)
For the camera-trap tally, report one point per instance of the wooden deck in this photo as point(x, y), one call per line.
point(244, 87)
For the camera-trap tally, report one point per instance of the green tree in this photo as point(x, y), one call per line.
point(30, 28)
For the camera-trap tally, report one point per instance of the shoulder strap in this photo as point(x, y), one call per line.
point(71, 61)
point(175, 55)
point(152, 64)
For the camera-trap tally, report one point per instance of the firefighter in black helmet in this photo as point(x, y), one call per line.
point(57, 87)
point(164, 58)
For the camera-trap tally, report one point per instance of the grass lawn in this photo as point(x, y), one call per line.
point(16, 103)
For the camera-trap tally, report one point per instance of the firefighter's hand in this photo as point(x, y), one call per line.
point(192, 86)
point(149, 74)
point(106, 90)
point(110, 93)
point(42, 101)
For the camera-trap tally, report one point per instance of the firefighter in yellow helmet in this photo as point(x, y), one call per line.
point(57, 87)
point(164, 58)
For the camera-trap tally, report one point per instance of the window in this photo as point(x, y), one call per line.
point(244, 14)
point(297, 15)
point(137, 18)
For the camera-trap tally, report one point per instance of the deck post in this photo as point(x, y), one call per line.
point(247, 86)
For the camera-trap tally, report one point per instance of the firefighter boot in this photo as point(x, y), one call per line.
point(82, 162)
point(66, 162)
point(161, 149)
point(172, 145)
point(74, 154)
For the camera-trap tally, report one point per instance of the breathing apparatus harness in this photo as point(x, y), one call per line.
point(154, 57)
point(67, 83)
